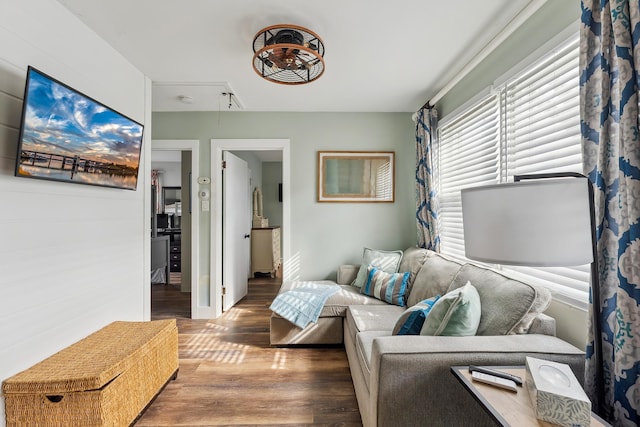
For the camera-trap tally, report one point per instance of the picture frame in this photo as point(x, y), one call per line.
point(356, 177)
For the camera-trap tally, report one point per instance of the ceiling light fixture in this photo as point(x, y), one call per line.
point(288, 54)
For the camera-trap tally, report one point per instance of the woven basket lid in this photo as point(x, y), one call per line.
point(92, 362)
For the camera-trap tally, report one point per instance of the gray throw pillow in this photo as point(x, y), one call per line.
point(412, 260)
point(387, 261)
point(506, 302)
point(433, 278)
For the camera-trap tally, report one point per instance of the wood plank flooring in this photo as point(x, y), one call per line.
point(230, 376)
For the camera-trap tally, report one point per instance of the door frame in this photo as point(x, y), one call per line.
point(217, 147)
point(198, 308)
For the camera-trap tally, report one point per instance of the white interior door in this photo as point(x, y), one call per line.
point(236, 229)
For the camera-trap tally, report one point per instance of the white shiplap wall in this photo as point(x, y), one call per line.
point(73, 257)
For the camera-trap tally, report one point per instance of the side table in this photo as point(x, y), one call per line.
point(505, 407)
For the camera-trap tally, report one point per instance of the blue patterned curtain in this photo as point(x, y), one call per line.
point(426, 195)
point(609, 90)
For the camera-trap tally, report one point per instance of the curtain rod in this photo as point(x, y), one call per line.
point(511, 27)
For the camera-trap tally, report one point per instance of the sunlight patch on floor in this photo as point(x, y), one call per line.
point(213, 347)
point(218, 328)
point(279, 360)
point(233, 314)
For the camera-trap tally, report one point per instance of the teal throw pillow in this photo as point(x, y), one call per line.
point(411, 321)
point(387, 261)
point(457, 313)
point(388, 287)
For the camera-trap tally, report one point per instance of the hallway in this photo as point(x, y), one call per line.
point(229, 374)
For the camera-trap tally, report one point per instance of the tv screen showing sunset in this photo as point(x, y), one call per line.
point(68, 136)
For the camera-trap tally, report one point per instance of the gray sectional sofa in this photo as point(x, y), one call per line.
point(405, 380)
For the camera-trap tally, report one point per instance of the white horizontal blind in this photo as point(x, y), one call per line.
point(543, 116)
point(537, 132)
point(469, 155)
point(542, 113)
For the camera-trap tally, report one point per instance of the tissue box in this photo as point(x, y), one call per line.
point(556, 394)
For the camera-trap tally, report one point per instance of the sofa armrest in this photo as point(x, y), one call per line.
point(543, 324)
point(411, 379)
point(347, 273)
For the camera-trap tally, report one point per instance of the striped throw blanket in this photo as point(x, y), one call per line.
point(303, 304)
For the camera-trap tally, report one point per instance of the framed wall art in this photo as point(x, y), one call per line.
point(356, 176)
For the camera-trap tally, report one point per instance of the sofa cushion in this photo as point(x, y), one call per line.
point(412, 320)
point(336, 305)
point(455, 314)
point(364, 346)
point(372, 318)
point(387, 261)
point(412, 260)
point(508, 305)
point(433, 279)
point(388, 287)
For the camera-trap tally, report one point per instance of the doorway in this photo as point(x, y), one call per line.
point(236, 228)
point(219, 146)
point(181, 219)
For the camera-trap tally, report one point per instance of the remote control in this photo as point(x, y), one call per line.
point(516, 379)
point(494, 381)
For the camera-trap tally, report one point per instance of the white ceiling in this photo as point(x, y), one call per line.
point(381, 56)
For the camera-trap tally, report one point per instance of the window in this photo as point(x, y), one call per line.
point(543, 115)
point(529, 124)
point(469, 156)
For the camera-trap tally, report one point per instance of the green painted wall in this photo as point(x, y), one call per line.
point(271, 177)
point(323, 235)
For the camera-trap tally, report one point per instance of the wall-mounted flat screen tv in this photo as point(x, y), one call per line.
point(68, 136)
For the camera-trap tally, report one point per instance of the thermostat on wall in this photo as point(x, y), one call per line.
point(204, 180)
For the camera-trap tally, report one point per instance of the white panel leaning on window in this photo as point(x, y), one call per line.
point(530, 123)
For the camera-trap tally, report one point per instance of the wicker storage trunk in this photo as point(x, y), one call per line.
point(105, 379)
